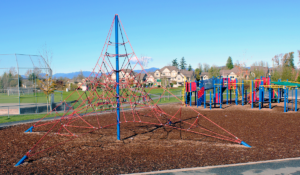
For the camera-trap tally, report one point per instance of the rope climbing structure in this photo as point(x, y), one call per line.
point(117, 89)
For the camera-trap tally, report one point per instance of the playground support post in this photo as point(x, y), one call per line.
point(210, 99)
point(204, 99)
point(243, 93)
point(227, 91)
point(196, 97)
point(214, 92)
point(236, 92)
point(278, 94)
point(190, 94)
point(270, 98)
point(285, 98)
point(296, 97)
point(260, 92)
point(186, 94)
point(117, 75)
point(220, 93)
point(252, 94)
point(270, 93)
point(246, 100)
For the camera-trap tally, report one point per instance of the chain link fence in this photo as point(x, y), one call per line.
point(19, 89)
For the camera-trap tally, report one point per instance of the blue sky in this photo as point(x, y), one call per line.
point(201, 31)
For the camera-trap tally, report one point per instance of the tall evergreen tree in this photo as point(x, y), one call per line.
point(175, 63)
point(291, 60)
point(190, 68)
point(229, 63)
point(182, 63)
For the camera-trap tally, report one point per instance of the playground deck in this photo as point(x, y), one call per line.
point(272, 134)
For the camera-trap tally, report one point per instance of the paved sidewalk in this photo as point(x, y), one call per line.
point(279, 166)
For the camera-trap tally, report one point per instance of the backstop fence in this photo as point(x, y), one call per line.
point(19, 88)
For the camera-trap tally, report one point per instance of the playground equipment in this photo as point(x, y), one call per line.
point(122, 94)
point(261, 91)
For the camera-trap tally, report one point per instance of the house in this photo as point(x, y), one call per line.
point(204, 75)
point(150, 77)
point(171, 74)
point(187, 75)
point(123, 75)
point(167, 72)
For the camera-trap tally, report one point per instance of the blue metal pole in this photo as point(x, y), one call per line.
point(196, 94)
point(243, 93)
point(270, 93)
point(214, 93)
point(204, 98)
point(117, 75)
point(210, 99)
point(221, 94)
point(21, 161)
point(227, 91)
point(196, 97)
point(252, 94)
point(186, 93)
point(285, 92)
point(296, 97)
point(236, 92)
point(191, 94)
point(278, 94)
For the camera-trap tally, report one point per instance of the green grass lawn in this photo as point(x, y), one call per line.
point(14, 118)
point(161, 90)
point(40, 98)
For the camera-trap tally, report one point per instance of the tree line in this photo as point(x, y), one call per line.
point(283, 67)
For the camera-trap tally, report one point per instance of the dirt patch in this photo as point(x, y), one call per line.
point(271, 133)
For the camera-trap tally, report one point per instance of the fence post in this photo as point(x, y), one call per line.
point(160, 97)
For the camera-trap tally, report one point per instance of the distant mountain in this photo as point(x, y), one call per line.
point(152, 69)
point(72, 74)
point(87, 73)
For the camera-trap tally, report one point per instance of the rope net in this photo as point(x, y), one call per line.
point(88, 112)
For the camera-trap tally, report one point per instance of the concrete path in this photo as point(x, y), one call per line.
point(279, 166)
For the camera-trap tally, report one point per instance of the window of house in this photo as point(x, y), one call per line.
point(156, 74)
point(179, 78)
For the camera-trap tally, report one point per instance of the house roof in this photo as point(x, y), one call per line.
point(187, 73)
point(141, 76)
point(204, 73)
point(150, 73)
point(225, 72)
point(128, 71)
point(169, 67)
